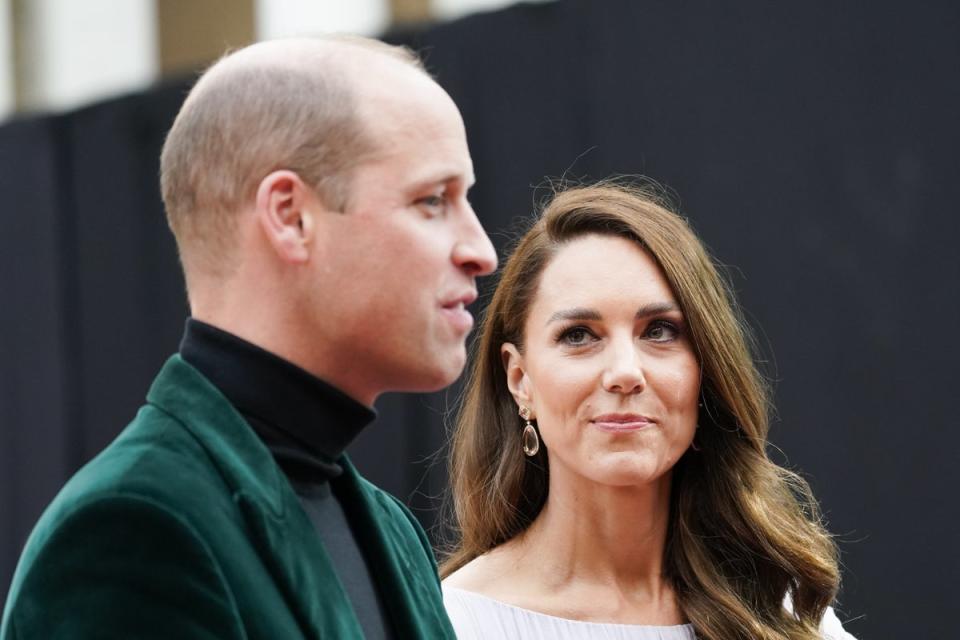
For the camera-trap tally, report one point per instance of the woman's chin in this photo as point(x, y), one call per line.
point(626, 470)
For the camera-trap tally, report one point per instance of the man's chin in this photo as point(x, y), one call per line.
point(445, 372)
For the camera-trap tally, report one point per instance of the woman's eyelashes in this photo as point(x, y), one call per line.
point(659, 330)
point(663, 331)
point(576, 336)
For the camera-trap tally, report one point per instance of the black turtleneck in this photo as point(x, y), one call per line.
point(306, 424)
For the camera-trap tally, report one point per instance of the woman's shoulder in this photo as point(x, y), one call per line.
point(485, 574)
point(471, 612)
point(832, 629)
point(480, 606)
point(489, 597)
point(475, 616)
point(830, 626)
point(465, 577)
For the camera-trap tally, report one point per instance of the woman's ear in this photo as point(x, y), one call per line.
point(284, 208)
point(517, 380)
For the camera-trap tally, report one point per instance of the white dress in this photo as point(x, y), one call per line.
point(477, 617)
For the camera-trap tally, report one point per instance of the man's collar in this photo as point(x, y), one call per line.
point(267, 389)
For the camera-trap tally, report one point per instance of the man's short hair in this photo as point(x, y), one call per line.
point(243, 121)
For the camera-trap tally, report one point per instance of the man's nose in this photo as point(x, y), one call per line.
point(624, 371)
point(474, 252)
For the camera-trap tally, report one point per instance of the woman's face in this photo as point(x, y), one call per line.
point(608, 370)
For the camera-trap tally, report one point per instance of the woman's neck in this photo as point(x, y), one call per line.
point(603, 543)
point(601, 534)
point(595, 552)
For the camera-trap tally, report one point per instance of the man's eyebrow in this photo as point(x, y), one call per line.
point(443, 178)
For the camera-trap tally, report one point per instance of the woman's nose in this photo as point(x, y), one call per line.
point(624, 371)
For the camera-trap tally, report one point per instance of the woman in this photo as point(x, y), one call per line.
point(609, 468)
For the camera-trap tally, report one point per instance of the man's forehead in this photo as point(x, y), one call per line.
point(430, 150)
point(424, 168)
point(462, 178)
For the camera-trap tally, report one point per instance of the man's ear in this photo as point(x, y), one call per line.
point(285, 209)
point(517, 380)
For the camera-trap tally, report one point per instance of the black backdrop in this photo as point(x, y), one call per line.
point(811, 144)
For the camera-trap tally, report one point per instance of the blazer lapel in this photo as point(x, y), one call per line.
point(279, 528)
point(410, 591)
point(301, 565)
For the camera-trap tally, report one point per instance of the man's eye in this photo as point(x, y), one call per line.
point(433, 201)
point(662, 331)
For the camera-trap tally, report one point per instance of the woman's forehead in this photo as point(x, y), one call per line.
point(600, 270)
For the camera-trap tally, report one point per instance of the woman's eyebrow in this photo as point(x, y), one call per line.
point(577, 313)
point(656, 308)
point(583, 313)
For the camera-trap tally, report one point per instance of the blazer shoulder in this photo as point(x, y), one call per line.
point(155, 457)
point(392, 505)
point(401, 514)
point(154, 576)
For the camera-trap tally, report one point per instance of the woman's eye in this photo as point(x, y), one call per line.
point(662, 331)
point(576, 336)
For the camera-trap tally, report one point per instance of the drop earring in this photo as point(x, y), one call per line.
point(531, 441)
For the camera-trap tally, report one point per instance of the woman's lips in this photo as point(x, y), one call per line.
point(622, 422)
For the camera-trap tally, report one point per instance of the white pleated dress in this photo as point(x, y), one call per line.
point(477, 617)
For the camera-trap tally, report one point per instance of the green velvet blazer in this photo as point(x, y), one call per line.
point(184, 527)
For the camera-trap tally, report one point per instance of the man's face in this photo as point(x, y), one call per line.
point(402, 259)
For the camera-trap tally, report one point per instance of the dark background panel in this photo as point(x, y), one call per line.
point(812, 145)
point(131, 300)
point(35, 402)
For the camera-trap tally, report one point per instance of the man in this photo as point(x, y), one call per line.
point(317, 192)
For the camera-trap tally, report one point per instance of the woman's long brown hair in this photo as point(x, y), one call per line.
point(744, 533)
